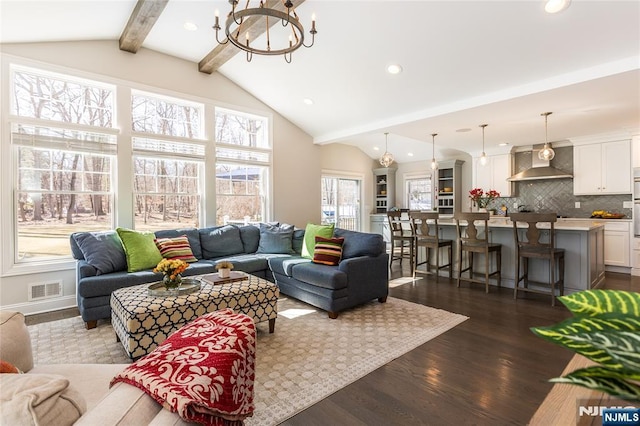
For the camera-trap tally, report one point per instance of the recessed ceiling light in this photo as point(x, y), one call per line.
point(375, 148)
point(555, 6)
point(466, 129)
point(190, 26)
point(503, 144)
point(410, 154)
point(394, 69)
point(308, 101)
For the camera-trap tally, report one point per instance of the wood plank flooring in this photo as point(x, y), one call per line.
point(490, 370)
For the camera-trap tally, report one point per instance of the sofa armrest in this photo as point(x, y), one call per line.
point(83, 270)
point(367, 274)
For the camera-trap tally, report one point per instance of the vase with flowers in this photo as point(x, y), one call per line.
point(171, 270)
point(224, 268)
point(483, 199)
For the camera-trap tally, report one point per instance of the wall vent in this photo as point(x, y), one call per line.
point(46, 290)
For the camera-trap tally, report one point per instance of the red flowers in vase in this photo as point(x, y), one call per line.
point(481, 198)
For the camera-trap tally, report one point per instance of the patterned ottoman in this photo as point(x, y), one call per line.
point(142, 322)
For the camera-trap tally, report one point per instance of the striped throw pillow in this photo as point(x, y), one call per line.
point(328, 251)
point(176, 248)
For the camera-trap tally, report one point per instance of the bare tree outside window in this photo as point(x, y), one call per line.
point(63, 181)
point(242, 169)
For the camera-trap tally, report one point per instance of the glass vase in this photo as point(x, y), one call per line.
point(172, 283)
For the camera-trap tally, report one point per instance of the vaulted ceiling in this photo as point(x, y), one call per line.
point(464, 63)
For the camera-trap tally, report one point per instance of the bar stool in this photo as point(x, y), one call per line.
point(400, 233)
point(425, 230)
point(529, 246)
point(473, 242)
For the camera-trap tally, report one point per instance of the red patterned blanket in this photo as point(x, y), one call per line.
point(204, 371)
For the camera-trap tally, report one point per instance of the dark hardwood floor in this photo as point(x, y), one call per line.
point(489, 370)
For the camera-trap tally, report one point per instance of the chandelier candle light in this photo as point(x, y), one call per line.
point(241, 23)
point(387, 159)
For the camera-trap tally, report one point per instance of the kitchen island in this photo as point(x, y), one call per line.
point(582, 240)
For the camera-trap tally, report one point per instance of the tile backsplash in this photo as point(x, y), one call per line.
point(556, 195)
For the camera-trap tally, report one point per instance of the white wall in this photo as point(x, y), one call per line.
point(296, 160)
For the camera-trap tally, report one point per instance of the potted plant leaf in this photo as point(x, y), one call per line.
point(605, 328)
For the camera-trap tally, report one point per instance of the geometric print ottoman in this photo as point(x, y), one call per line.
point(142, 322)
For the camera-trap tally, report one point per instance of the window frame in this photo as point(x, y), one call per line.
point(407, 178)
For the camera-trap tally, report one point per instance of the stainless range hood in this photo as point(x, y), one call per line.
point(540, 170)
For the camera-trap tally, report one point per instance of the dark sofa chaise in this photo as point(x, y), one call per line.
point(361, 275)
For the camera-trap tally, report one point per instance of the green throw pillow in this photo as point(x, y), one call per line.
point(140, 249)
point(310, 233)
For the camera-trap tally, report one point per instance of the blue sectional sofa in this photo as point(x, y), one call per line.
point(361, 275)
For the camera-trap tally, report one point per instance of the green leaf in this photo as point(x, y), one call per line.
point(610, 339)
point(596, 302)
point(599, 371)
point(612, 386)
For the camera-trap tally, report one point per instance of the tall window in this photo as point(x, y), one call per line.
point(418, 190)
point(243, 164)
point(63, 146)
point(167, 163)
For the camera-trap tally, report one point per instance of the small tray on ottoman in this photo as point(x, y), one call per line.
point(188, 286)
point(215, 279)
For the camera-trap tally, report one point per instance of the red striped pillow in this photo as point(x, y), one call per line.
point(328, 251)
point(176, 248)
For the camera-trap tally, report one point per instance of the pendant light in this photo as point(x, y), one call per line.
point(434, 163)
point(546, 153)
point(483, 157)
point(387, 159)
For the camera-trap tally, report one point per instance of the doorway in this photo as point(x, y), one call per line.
point(341, 202)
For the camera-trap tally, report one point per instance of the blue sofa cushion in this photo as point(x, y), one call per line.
point(320, 275)
point(250, 236)
point(275, 239)
point(360, 244)
point(192, 235)
point(102, 250)
point(297, 241)
point(220, 241)
point(284, 265)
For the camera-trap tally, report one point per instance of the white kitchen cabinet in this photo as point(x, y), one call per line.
point(602, 168)
point(494, 174)
point(617, 244)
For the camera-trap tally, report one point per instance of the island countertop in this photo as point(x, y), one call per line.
point(561, 225)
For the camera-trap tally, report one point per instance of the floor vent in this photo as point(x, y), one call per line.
point(47, 290)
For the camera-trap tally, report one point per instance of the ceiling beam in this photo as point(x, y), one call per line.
point(142, 19)
point(254, 26)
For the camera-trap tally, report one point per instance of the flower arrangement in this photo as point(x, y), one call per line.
point(224, 264)
point(171, 270)
point(483, 199)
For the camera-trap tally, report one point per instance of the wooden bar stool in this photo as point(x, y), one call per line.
point(472, 242)
point(529, 246)
point(425, 230)
point(400, 234)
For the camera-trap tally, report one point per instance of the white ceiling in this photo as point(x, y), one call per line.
point(464, 64)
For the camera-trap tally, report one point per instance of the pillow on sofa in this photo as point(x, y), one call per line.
point(358, 244)
point(192, 235)
point(102, 250)
point(176, 248)
point(275, 239)
point(310, 234)
point(328, 251)
point(140, 249)
point(39, 399)
point(220, 241)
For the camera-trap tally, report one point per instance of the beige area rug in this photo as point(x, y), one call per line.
point(308, 358)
